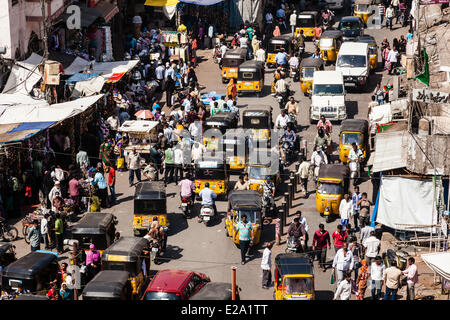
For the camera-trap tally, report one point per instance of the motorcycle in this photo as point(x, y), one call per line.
point(292, 121)
point(156, 250)
point(8, 232)
point(268, 207)
point(293, 245)
point(206, 214)
point(354, 166)
point(186, 206)
point(288, 151)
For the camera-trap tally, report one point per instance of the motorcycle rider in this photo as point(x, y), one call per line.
point(292, 107)
point(187, 187)
point(327, 17)
point(322, 139)
point(325, 125)
point(269, 191)
point(157, 233)
point(282, 120)
point(294, 62)
point(317, 34)
point(281, 88)
point(317, 54)
point(208, 197)
point(297, 231)
point(290, 137)
point(355, 153)
point(281, 58)
point(299, 42)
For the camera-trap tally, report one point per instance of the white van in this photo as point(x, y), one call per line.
point(328, 96)
point(353, 62)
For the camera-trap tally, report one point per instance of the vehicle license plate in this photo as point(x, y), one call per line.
point(247, 84)
point(213, 186)
point(350, 84)
point(155, 249)
point(206, 218)
point(184, 204)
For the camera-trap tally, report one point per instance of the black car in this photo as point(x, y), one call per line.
point(351, 27)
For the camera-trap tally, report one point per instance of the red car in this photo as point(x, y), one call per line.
point(175, 284)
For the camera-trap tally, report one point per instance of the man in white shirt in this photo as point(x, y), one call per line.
point(303, 172)
point(371, 247)
point(223, 49)
point(168, 132)
point(344, 289)
point(293, 21)
point(243, 41)
point(195, 128)
point(365, 233)
point(178, 163)
point(392, 58)
point(345, 210)
point(197, 151)
point(376, 273)
point(390, 14)
point(355, 153)
point(318, 158)
point(302, 220)
point(281, 87)
point(44, 230)
point(343, 262)
point(113, 122)
point(412, 278)
point(260, 55)
point(266, 266)
point(281, 120)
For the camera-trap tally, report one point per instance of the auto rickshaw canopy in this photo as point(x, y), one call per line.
point(294, 264)
point(29, 265)
point(106, 284)
point(248, 199)
point(93, 223)
point(5, 247)
point(215, 291)
point(333, 171)
point(126, 249)
point(333, 34)
point(358, 2)
point(234, 57)
point(150, 190)
point(355, 125)
point(366, 39)
point(311, 62)
point(222, 120)
point(304, 19)
point(284, 39)
point(251, 66)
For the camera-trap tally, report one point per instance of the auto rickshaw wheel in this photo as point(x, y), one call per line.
point(329, 219)
point(321, 214)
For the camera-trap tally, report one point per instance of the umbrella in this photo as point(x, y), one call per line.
point(144, 114)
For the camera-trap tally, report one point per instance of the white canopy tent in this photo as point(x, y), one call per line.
point(439, 262)
point(24, 75)
point(105, 69)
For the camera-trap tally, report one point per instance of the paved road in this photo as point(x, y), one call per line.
point(193, 246)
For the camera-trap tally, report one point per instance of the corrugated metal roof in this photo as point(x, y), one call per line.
point(390, 152)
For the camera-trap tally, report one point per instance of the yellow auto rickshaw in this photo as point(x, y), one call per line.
point(212, 169)
point(294, 277)
point(329, 44)
point(149, 202)
point(373, 50)
point(361, 8)
point(307, 68)
point(275, 46)
point(353, 131)
point(263, 164)
point(130, 254)
point(306, 21)
point(246, 202)
point(332, 182)
point(231, 61)
point(236, 146)
point(250, 77)
point(258, 119)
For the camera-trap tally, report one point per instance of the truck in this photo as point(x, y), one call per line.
point(353, 63)
point(328, 96)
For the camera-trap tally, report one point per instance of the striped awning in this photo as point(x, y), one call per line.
point(108, 10)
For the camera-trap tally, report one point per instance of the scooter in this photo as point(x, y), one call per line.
point(293, 245)
point(206, 214)
point(268, 209)
point(156, 250)
point(186, 206)
point(354, 167)
point(292, 121)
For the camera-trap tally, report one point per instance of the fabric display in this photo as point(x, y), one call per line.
point(108, 43)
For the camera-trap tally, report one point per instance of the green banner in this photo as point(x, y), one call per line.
point(425, 76)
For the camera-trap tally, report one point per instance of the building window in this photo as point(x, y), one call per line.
point(14, 2)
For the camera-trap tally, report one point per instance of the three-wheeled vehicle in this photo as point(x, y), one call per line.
point(212, 169)
point(33, 271)
point(306, 21)
point(7, 253)
point(361, 8)
point(353, 130)
point(307, 68)
point(329, 44)
point(246, 202)
point(216, 291)
point(275, 45)
point(373, 50)
point(294, 277)
point(149, 202)
point(230, 63)
point(236, 147)
point(97, 228)
point(258, 119)
point(108, 285)
point(332, 183)
point(215, 127)
point(263, 163)
point(250, 77)
point(129, 254)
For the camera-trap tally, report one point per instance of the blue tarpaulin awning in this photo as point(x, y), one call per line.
point(16, 132)
point(80, 77)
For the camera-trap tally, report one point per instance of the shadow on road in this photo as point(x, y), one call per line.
point(352, 109)
point(128, 198)
point(178, 223)
point(172, 253)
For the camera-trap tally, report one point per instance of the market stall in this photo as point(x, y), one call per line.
point(140, 133)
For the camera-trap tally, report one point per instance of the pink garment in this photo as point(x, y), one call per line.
point(74, 187)
point(411, 273)
point(277, 32)
point(186, 187)
point(92, 256)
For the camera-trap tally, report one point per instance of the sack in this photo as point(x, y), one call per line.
point(121, 163)
point(332, 280)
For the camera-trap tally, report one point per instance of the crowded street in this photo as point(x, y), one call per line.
point(114, 146)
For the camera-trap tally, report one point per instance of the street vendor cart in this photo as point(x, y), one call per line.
point(140, 133)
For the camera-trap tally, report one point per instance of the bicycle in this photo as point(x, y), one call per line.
point(8, 232)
